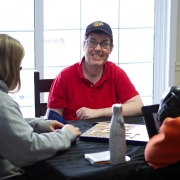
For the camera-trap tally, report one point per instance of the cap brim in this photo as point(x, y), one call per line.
point(99, 30)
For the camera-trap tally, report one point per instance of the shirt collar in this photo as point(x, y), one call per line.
point(106, 71)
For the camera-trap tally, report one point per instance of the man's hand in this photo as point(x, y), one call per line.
point(87, 113)
point(55, 125)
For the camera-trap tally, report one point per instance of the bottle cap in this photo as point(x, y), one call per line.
point(117, 108)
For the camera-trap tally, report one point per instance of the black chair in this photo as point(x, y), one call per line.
point(40, 86)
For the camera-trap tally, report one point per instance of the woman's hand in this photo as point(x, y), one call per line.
point(74, 130)
point(55, 125)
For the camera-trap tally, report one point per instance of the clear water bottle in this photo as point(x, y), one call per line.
point(117, 141)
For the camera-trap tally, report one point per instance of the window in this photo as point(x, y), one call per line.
point(52, 33)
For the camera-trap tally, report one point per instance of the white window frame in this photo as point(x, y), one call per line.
point(39, 37)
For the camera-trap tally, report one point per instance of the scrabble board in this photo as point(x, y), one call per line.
point(135, 133)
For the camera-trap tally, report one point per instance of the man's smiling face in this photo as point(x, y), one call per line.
point(97, 56)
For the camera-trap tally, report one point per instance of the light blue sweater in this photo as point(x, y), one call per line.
point(24, 142)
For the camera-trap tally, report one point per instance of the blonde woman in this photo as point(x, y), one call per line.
point(23, 142)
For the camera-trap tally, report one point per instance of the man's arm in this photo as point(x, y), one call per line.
point(87, 113)
point(132, 107)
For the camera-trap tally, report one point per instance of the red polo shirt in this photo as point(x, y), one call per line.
point(71, 90)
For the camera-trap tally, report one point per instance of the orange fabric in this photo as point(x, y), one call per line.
point(163, 149)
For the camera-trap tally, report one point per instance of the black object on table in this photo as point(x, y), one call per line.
point(71, 164)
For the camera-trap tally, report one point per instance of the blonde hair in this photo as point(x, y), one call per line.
point(11, 55)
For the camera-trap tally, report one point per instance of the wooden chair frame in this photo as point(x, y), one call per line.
point(40, 86)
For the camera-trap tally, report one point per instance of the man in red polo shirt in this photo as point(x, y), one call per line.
point(89, 88)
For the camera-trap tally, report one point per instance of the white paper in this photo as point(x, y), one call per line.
point(100, 157)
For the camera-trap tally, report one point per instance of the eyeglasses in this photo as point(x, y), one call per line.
point(93, 44)
point(20, 67)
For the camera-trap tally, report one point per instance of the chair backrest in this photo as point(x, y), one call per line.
point(40, 86)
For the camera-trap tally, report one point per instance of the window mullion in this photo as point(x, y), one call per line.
point(39, 38)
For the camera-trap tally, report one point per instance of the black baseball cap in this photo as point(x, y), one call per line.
point(99, 25)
